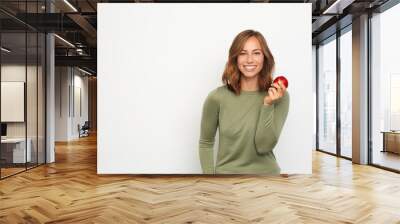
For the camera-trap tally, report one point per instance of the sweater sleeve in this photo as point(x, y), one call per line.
point(209, 124)
point(270, 124)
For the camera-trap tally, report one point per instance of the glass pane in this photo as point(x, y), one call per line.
point(13, 86)
point(386, 89)
point(327, 97)
point(41, 98)
point(346, 94)
point(31, 101)
point(314, 71)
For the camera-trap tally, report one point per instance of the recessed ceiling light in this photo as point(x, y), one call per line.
point(70, 5)
point(337, 7)
point(5, 50)
point(64, 40)
point(84, 71)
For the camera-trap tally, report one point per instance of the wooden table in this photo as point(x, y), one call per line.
point(391, 141)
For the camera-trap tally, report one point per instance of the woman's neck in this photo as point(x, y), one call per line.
point(249, 84)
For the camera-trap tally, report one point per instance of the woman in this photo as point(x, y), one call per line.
point(248, 109)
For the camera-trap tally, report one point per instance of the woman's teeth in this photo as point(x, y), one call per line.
point(249, 68)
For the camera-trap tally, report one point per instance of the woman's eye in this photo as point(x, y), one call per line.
point(242, 53)
point(258, 53)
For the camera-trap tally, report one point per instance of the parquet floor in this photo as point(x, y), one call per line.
point(10, 171)
point(70, 191)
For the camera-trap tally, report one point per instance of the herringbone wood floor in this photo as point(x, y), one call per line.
point(70, 191)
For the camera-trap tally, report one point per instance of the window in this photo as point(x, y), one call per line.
point(22, 66)
point(327, 96)
point(346, 93)
point(385, 89)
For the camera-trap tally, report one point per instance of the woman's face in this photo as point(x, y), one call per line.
point(251, 59)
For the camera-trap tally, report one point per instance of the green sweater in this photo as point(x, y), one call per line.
point(248, 132)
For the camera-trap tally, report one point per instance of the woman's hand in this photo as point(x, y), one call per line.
point(275, 92)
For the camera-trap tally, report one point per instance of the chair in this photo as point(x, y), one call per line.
point(84, 130)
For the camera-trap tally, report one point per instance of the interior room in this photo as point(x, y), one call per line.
point(51, 125)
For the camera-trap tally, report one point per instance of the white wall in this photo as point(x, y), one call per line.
point(80, 84)
point(61, 103)
point(158, 62)
point(68, 81)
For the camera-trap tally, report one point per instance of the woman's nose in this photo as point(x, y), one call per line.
point(249, 58)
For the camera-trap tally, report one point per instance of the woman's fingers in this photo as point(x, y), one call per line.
point(276, 85)
point(274, 93)
point(280, 87)
point(271, 91)
point(283, 87)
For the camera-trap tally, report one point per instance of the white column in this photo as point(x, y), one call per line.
point(50, 92)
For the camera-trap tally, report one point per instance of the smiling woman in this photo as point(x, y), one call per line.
point(249, 111)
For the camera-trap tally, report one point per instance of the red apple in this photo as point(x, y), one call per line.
point(282, 79)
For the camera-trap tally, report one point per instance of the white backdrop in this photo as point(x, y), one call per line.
point(158, 62)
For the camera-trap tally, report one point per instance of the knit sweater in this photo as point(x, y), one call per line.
point(248, 132)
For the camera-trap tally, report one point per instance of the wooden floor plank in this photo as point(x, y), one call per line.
point(70, 191)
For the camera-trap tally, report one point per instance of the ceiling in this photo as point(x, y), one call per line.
point(76, 22)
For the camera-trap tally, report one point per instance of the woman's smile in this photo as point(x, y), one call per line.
point(250, 68)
